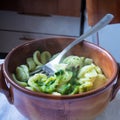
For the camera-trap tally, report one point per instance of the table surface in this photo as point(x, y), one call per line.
point(9, 112)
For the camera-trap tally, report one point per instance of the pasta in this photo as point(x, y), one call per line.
point(74, 75)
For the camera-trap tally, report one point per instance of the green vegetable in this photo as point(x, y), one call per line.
point(64, 88)
point(75, 90)
point(63, 76)
point(35, 80)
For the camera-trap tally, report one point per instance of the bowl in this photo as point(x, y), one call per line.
point(41, 106)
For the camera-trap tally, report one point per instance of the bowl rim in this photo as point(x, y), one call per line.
point(57, 97)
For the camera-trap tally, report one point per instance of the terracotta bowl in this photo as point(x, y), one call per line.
point(40, 106)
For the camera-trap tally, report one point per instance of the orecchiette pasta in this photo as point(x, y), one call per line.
point(74, 75)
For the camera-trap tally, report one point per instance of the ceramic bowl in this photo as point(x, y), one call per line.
point(41, 106)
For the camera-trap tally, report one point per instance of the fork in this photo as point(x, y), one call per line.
point(49, 68)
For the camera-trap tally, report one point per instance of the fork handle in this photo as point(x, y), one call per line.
point(103, 22)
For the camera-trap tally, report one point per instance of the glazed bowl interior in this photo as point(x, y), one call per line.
point(54, 45)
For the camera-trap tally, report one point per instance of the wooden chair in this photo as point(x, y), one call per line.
point(96, 9)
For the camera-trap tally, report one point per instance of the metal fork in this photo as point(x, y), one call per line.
point(49, 69)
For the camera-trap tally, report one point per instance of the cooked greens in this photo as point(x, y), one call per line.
point(74, 75)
